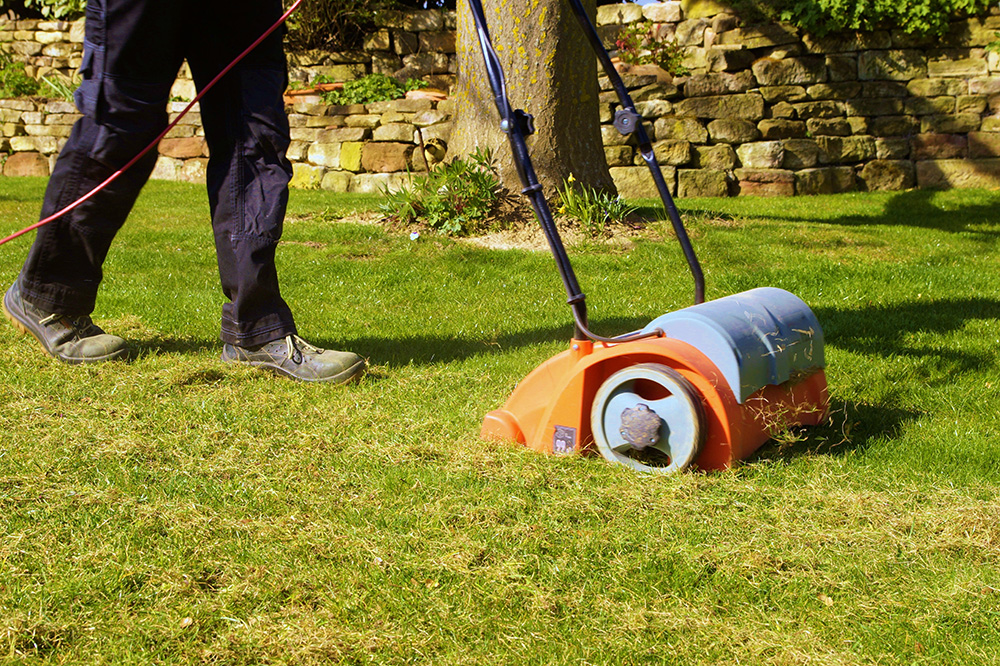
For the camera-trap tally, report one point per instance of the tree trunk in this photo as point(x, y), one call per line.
point(551, 73)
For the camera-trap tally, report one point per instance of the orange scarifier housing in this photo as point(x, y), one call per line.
point(723, 377)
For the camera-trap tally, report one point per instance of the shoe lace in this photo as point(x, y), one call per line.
point(295, 346)
point(80, 325)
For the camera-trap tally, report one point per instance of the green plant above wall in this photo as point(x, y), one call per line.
point(52, 9)
point(918, 17)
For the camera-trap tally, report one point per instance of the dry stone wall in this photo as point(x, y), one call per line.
point(764, 109)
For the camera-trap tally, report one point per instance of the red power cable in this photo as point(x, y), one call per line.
point(155, 141)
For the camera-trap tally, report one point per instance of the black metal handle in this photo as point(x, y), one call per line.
point(517, 125)
point(629, 121)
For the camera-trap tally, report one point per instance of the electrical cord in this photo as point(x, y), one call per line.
point(142, 153)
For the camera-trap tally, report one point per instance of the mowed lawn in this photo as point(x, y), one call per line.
point(175, 510)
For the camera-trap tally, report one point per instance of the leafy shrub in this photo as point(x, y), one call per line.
point(454, 198)
point(594, 210)
point(918, 17)
point(14, 81)
point(54, 9)
point(637, 45)
point(372, 88)
point(333, 24)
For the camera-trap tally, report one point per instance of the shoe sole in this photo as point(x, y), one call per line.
point(26, 330)
point(351, 374)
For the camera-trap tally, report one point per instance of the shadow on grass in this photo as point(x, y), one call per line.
point(426, 349)
point(882, 330)
point(851, 427)
point(910, 208)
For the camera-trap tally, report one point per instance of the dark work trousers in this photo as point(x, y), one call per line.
point(132, 53)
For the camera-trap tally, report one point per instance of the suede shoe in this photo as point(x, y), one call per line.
point(69, 339)
point(295, 358)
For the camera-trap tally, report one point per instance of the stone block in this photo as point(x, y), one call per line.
point(884, 89)
point(761, 155)
point(938, 146)
point(342, 134)
point(790, 71)
point(825, 180)
point(842, 68)
point(983, 85)
point(365, 120)
point(848, 41)
point(662, 12)
point(306, 177)
point(405, 43)
point(612, 137)
point(781, 129)
point(336, 181)
point(886, 106)
point(419, 65)
point(619, 13)
point(829, 127)
point(957, 63)
point(893, 65)
point(674, 127)
point(674, 152)
point(26, 164)
point(888, 175)
point(800, 154)
point(892, 148)
point(720, 157)
point(718, 83)
point(984, 144)
point(652, 109)
point(823, 109)
point(654, 91)
point(732, 131)
point(753, 188)
point(637, 183)
point(981, 173)
point(845, 149)
point(618, 156)
point(428, 118)
point(927, 106)
point(423, 20)
point(442, 41)
point(350, 155)
point(761, 36)
point(974, 104)
point(728, 58)
point(324, 154)
point(937, 87)
point(691, 32)
point(702, 183)
point(749, 106)
point(185, 148)
point(703, 8)
point(386, 157)
point(844, 90)
point(959, 123)
point(893, 126)
point(377, 41)
point(784, 110)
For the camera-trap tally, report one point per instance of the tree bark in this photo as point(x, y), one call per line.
point(551, 73)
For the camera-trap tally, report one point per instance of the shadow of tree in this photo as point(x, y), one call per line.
point(881, 330)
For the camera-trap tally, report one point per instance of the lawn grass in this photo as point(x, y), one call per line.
point(175, 510)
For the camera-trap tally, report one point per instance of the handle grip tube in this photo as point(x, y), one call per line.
point(517, 126)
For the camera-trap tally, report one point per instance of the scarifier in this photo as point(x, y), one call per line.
point(704, 386)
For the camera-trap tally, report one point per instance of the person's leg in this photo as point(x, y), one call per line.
point(248, 173)
point(130, 62)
